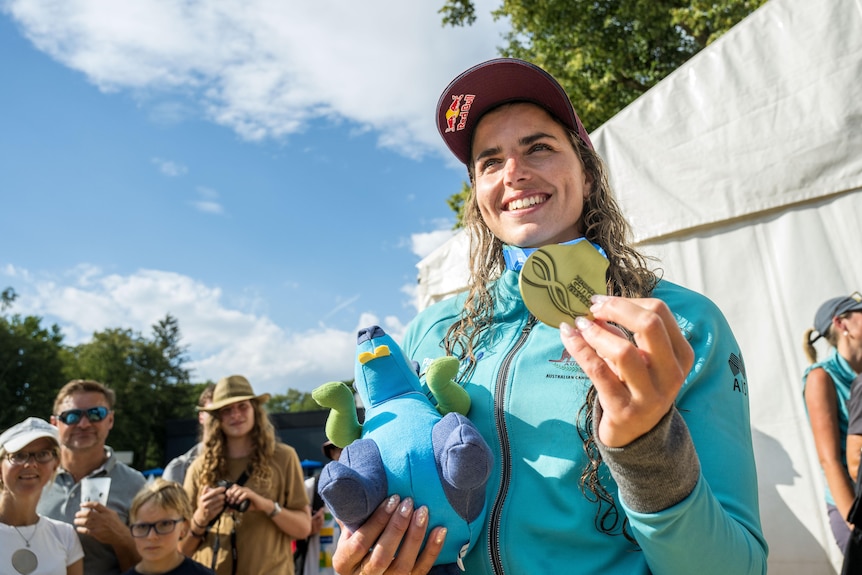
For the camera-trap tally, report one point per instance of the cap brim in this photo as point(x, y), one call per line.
point(262, 398)
point(491, 84)
point(22, 441)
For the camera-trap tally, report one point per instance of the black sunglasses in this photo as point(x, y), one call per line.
point(163, 527)
point(94, 414)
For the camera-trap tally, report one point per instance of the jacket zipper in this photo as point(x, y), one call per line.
point(503, 436)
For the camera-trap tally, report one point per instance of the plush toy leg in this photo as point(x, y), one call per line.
point(355, 485)
point(440, 377)
point(342, 425)
point(463, 462)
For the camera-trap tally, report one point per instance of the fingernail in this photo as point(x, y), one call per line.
point(421, 516)
point(598, 300)
point(582, 323)
point(391, 503)
point(406, 507)
point(441, 535)
point(567, 330)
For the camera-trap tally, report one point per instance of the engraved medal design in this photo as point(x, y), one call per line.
point(557, 281)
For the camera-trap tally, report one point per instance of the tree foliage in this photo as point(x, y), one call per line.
point(606, 53)
point(31, 368)
point(150, 380)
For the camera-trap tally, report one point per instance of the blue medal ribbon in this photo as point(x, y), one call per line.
point(516, 257)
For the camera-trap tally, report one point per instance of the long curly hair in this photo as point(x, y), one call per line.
point(215, 448)
point(628, 275)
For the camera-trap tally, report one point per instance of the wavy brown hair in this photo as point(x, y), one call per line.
point(628, 275)
point(263, 438)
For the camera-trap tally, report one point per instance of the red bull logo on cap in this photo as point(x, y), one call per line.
point(458, 111)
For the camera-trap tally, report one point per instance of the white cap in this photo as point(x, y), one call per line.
point(20, 435)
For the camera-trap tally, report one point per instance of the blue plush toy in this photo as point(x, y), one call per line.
point(406, 445)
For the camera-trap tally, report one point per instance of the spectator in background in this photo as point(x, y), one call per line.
point(29, 454)
point(176, 469)
point(314, 554)
point(854, 429)
point(826, 388)
point(248, 525)
point(160, 520)
point(84, 415)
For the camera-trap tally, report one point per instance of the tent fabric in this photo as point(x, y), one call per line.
point(742, 173)
point(769, 115)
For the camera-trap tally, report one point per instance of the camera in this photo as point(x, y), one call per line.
point(241, 506)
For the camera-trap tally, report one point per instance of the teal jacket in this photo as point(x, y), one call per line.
point(527, 395)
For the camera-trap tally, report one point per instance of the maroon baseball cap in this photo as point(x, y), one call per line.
point(490, 84)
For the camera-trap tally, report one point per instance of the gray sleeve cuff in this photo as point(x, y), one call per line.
point(658, 469)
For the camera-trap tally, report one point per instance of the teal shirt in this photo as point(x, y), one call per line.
point(526, 401)
point(842, 378)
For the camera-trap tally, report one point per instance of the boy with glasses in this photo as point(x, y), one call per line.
point(84, 415)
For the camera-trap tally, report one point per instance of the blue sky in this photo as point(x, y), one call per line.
point(268, 175)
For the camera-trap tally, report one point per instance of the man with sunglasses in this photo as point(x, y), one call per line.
point(84, 415)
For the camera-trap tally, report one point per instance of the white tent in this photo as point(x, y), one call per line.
point(742, 172)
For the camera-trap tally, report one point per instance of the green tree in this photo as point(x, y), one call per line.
point(291, 402)
point(150, 380)
point(31, 368)
point(606, 53)
point(7, 298)
point(457, 202)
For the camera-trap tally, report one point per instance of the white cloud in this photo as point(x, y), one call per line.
point(423, 244)
point(208, 207)
point(221, 340)
point(169, 168)
point(208, 203)
point(266, 68)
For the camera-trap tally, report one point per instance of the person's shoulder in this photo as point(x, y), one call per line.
point(191, 567)
point(283, 451)
point(127, 473)
point(433, 320)
point(686, 302)
point(57, 526)
point(445, 311)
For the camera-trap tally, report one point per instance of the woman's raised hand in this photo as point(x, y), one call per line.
point(636, 383)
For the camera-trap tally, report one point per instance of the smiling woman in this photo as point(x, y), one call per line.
point(247, 488)
point(28, 459)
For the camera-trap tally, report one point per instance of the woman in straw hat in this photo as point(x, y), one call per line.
point(826, 386)
point(29, 543)
point(248, 488)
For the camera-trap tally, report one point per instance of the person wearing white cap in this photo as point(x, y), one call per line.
point(615, 403)
point(826, 386)
point(30, 543)
point(247, 488)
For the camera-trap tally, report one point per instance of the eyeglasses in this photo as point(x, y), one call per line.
point(22, 457)
point(163, 527)
point(94, 414)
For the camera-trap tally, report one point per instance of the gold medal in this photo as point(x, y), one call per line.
point(557, 281)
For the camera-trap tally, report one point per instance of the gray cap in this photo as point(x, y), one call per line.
point(834, 307)
point(19, 435)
